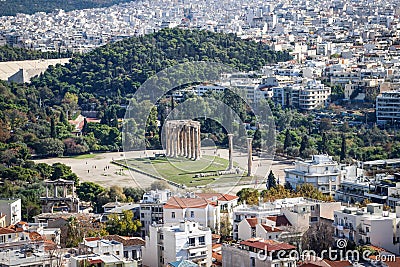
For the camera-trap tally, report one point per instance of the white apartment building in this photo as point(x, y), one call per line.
point(256, 227)
point(370, 225)
point(11, 208)
point(182, 241)
point(287, 96)
point(297, 213)
point(321, 171)
point(388, 107)
point(314, 95)
point(151, 208)
point(202, 208)
point(99, 246)
point(244, 211)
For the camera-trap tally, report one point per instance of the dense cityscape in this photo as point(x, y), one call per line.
point(200, 133)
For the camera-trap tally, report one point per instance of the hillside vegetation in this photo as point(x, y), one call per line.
point(12, 7)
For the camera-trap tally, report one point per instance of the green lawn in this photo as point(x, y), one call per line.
point(83, 156)
point(181, 170)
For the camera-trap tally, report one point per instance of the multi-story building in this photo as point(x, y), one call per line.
point(321, 171)
point(151, 208)
point(255, 227)
point(244, 211)
point(370, 225)
point(382, 189)
point(186, 240)
point(132, 246)
point(257, 252)
point(388, 107)
point(11, 208)
point(295, 213)
point(287, 96)
point(206, 209)
point(314, 95)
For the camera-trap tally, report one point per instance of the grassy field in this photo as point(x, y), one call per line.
point(181, 170)
point(84, 156)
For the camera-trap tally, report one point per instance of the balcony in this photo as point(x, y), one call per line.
point(374, 195)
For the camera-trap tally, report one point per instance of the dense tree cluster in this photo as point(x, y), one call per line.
point(11, 8)
point(302, 135)
point(9, 53)
point(252, 196)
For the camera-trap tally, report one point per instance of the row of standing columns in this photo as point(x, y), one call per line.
point(183, 139)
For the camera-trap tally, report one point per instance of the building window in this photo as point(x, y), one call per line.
point(202, 240)
point(161, 237)
point(192, 241)
point(312, 207)
point(173, 215)
point(192, 214)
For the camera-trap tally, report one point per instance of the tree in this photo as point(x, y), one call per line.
point(84, 127)
point(288, 140)
point(318, 237)
point(323, 145)
point(53, 133)
point(343, 150)
point(304, 145)
point(271, 180)
point(288, 186)
point(325, 125)
point(70, 100)
point(249, 195)
point(226, 227)
point(133, 194)
point(49, 147)
point(88, 191)
point(123, 225)
point(62, 171)
point(159, 185)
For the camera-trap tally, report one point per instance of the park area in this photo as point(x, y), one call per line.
point(191, 173)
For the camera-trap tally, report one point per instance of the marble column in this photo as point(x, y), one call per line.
point(230, 142)
point(192, 148)
point(174, 141)
point(178, 141)
point(182, 133)
point(196, 141)
point(249, 156)
point(186, 141)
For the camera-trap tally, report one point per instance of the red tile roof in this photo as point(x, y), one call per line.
point(183, 203)
point(252, 222)
point(35, 236)
point(280, 220)
point(217, 254)
point(269, 245)
point(5, 231)
point(95, 261)
point(218, 196)
point(270, 229)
